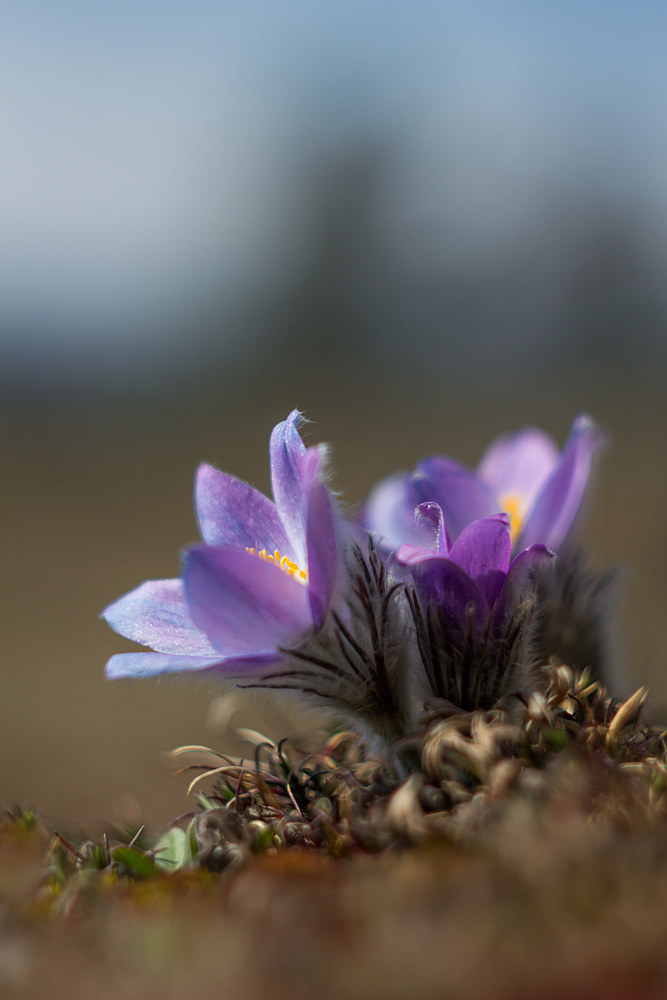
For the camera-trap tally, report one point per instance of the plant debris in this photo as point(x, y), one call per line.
point(566, 743)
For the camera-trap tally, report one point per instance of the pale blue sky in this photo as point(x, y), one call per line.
point(152, 152)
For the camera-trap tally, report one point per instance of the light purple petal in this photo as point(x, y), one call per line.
point(232, 513)
point(519, 463)
point(151, 664)
point(430, 514)
point(156, 614)
point(482, 550)
point(292, 470)
point(322, 552)
point(462, 496)
point(557, 505)
point(412, 555)
point(244, 604)
point(390, 513)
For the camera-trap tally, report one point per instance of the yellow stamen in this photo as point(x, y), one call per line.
point(513, 504)
point(282, 562)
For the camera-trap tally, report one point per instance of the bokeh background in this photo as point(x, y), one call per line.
point(422, 224)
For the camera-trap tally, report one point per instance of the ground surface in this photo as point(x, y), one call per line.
point(549, 907)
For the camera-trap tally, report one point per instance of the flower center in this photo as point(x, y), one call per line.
point(282, 562)
point(513, 504)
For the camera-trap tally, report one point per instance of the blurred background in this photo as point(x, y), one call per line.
point(422, 224)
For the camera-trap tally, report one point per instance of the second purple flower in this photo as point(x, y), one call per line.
point(522, 475)
point(472, 606)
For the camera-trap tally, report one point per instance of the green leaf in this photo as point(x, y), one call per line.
point(174, 849)
point(558, 739)
point(134, 861)
point(24, 819)
point(225, 792)
point(191, 835)
point(95, 858)
point(658, 782)
point(263, 839)
point(204, 802)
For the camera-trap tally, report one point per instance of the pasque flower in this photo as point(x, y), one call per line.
point(475, 574)
point(522, 475)
point(471, 603)
point(261, 581)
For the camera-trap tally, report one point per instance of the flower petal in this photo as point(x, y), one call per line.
point(286, 451)
point(520, 580)
point(461, 494)
point(156, 614)
point(322, 552)
point(556, 507)
point(231, 512)
point(412, 555)
point(390, 512)
point(442, 582)
point(482, 550)
point(244, 604)
point(430, 514)
point(519, 464)
point(152, 664)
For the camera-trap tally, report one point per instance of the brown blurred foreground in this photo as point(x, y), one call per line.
point(544, 904)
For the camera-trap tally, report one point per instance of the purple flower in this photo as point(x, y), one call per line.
point(262, 580)
point(471, 604)
point(475, 574)
point(523, 474)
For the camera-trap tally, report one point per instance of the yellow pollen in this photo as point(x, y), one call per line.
point(514, 506)
point(282, 562)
